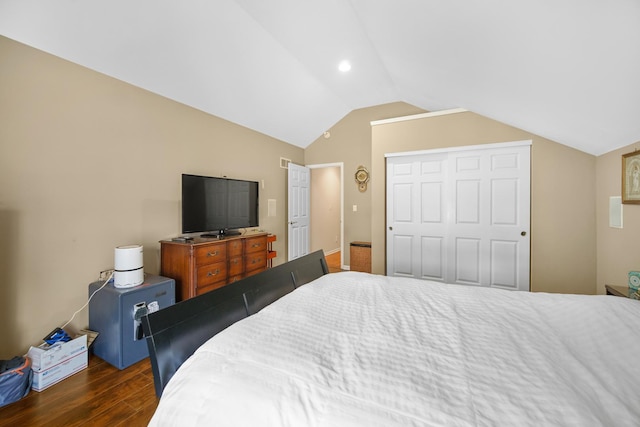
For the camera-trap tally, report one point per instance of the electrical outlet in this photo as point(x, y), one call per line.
point(104, 274)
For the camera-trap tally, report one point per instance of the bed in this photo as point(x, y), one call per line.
point(299, 347)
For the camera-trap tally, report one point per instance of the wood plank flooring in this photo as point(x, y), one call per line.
point(333, 262)
point(100, 395)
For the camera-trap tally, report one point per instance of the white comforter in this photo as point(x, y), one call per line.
point(353, 349)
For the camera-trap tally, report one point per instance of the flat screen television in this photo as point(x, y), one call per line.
point(218, 206)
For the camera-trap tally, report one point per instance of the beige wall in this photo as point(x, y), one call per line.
point(325, 209)
point(88, 163)
point(618, 250)
point(350, 143)
point(563, 219)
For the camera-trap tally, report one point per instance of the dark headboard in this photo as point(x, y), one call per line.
point(175, 332)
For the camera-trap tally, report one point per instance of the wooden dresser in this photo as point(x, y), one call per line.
point(201, 265)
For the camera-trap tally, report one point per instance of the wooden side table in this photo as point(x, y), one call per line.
point(622, 291)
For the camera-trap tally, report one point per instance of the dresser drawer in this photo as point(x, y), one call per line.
point(210, 254)
point(255, 244)
point(255, 261)
point(234, 248)
point(211, 273)
point(236, 266)
point(233, 279)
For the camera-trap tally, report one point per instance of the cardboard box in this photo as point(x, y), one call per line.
point(52, 364)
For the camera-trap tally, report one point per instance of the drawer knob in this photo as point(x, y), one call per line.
point(214, 253)
point(213, 273)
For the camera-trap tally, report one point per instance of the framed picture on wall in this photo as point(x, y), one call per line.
point(631, 177)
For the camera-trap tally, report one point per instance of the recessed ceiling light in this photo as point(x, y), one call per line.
point(344, 66)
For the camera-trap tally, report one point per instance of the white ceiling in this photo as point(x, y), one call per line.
point(567, 70)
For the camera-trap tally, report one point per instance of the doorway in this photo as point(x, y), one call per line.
point(327, 209)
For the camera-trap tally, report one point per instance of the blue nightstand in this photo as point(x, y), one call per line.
point(115, 314)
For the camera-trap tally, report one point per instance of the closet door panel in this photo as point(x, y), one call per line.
point(467, 261)
point(467, 201)
point(504, 260)
point(403, 262)
point(504, 202)
point(433, 258)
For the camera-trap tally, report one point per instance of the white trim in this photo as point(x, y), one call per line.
point(332, 251)
point(419, 116)
point(341, 166)
point(462, 148)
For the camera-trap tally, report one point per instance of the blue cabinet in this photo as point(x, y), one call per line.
point(115, 314)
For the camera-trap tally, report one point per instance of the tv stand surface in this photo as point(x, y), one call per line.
point(221, 234)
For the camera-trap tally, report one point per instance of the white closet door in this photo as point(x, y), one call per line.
point(417, 216)
point(461, 216)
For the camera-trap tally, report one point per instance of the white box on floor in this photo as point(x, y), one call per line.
point(52, 364)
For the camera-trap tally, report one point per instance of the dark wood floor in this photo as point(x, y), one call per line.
point(100, 395)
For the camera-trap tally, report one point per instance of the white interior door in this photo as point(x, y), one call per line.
point(298, 211)
point(461, 216)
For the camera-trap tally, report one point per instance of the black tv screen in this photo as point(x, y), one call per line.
point(217, 205)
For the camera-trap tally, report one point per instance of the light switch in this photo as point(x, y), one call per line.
point(355, 208)
point(615, 212)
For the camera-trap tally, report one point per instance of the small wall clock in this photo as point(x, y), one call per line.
point(362, 177)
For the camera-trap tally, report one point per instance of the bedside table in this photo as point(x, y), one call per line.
point(622, 291)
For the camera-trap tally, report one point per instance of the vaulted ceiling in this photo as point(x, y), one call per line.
point(567, 70)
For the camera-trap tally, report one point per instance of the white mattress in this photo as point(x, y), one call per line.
point(353, 349)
